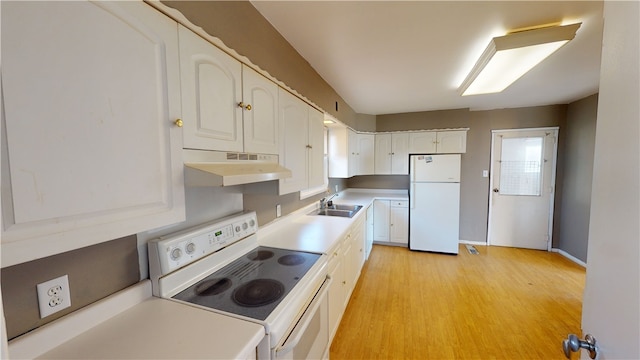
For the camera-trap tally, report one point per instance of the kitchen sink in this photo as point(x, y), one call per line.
point(354, 208)
point(338, 210)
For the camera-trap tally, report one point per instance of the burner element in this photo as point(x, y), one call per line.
point(260, 255)
point(213, 287)
point(258, 292)
point(291, 260)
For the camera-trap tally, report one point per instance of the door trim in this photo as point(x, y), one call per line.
point(553, 179)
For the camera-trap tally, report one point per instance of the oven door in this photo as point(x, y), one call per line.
point(309, 339)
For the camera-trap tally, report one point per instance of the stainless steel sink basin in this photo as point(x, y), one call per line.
point(338, 210)
point(345, 207)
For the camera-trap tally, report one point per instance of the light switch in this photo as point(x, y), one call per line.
point(485, 173)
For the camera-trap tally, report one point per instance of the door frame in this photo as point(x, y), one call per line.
point(556, 129)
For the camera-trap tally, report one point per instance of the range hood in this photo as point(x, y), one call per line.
point(216, 168)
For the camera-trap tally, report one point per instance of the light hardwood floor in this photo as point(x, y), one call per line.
point(504, 303)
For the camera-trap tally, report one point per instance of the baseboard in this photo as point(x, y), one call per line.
point(469, 242)
point(570, 257)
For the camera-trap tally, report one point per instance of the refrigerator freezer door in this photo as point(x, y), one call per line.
point(434, 217)
point(435, 168)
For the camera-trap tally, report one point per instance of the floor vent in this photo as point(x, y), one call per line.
point(472, 250)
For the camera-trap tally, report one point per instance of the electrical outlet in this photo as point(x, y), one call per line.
point(53, 296)
point(336, 188)
point(278, 211)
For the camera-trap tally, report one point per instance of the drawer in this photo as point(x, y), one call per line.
point(399, 203)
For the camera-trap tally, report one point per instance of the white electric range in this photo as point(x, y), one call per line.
point(220, 267)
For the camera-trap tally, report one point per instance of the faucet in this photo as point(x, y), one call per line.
point(324, 202)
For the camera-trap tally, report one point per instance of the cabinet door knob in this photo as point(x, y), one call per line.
point(179, 122)
point(248, 107)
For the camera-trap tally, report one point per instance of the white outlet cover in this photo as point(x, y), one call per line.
point(53, 296)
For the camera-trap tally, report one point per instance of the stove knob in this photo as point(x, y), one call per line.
point(237, 228)
point(244, 226)
point(176, 253)
point(191, 248)
point(252, 223)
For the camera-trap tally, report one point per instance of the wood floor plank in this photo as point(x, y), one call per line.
point(503, 303)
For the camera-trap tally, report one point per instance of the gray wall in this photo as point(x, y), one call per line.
point(474, 189)
point(575, 167)
point(94, 273)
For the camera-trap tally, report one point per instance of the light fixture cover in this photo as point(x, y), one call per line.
point(508, 57)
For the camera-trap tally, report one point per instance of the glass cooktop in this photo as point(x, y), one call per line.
point(253, 284)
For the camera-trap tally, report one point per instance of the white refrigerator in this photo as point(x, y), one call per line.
point(434, 203)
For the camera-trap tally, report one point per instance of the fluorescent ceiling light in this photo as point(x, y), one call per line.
point(329, 122)
point(509, 57)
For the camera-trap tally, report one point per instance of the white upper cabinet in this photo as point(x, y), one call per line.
point(366, 154)
point(383, 154)
point(260, 103)
point(423, 142)
point(438, 142)
point(392, 154)
point(350, 153)
point(91, 91)
point(302, 145)
point(227, 106)
point(453, 142)
point(400, 153)
point(315, 151)
point(211, 92)
point(294, 127)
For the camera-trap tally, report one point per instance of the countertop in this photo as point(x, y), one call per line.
point(132, 324)
point(152, 328)
point(313, 233)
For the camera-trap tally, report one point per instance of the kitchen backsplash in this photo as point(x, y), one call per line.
point(94, 272)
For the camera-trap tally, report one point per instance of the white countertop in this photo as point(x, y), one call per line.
point(134, 325)
point(300, 231)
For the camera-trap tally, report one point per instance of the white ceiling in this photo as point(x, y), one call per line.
point(387, 57)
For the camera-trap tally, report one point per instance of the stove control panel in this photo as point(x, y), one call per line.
point(173, 251)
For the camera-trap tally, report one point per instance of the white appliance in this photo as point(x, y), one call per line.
point(220, 267)
point(434, 203)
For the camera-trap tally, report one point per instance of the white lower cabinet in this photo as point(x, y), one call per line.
point(345, 264)
point(391, 221)
point(399, 222)
point(90, 149)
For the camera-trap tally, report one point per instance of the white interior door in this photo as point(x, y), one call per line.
point(611, 306)
point(522, 186)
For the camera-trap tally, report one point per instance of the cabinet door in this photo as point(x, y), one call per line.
point(423, 142)
point(452, 142)
point(399, 222)
point(366, 149)
point(338, 152)
point(260, 114)
point(211, 91)
point(294, 130)
point(383, 154)
point(400, 151)
point(316, 148)
point(354, 152)
point(336, 292)
point(349, 269)
point(381, 220)
point(92, 153)
point(369, 232)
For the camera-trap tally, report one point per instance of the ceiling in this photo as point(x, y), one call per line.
point(385, 57)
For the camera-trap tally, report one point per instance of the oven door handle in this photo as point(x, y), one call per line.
point(294, 338)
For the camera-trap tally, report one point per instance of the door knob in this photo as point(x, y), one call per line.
point(496, 190)
point(574, 344)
